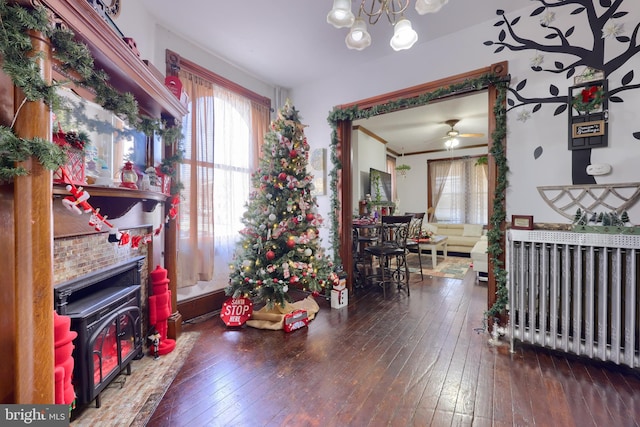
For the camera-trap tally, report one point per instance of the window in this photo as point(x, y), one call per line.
point(459, 191)
point(222, 134)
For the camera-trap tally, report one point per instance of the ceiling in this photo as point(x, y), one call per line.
point(288, 43)
point(423, 128)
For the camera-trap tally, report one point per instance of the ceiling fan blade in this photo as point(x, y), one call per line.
point(471, 135)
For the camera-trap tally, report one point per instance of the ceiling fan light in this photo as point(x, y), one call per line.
point(358, 37)
point(404, 36)
point(340, 16)
point(429, 6)
point(451, 143)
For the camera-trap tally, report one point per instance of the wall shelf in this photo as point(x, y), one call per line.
point(115, 202)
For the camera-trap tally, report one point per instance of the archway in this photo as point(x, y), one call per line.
point(342, 117)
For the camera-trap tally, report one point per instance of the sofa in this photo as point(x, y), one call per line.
point(462, 237)
point(480, 259)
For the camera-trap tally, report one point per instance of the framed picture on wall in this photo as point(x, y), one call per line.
point(318, 165)
point(522, 222)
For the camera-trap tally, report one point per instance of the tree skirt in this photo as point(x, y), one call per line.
point(273, 318)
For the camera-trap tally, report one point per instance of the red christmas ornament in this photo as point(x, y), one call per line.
point(310, 216)
point(291, 243)
point(282, 176)
point(293, 154)
point(315, 293)
point(270, 255)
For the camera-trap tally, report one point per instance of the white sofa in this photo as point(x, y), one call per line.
point(462, 237)
point(480, 259)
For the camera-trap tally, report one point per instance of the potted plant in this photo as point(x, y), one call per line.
point(402, 169)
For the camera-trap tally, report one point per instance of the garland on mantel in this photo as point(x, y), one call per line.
point(496, 235)
point(21, 66)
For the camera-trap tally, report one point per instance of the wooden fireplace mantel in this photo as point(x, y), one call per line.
point(27, 204)
point(115, 201)
point(127, 72)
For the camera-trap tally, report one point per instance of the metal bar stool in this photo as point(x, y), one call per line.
point(391, 247)
point(415, 230)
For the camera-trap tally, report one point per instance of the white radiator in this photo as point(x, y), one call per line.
point(576, 292)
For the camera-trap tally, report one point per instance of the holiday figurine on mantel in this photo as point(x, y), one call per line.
point(280, 246)
point(159, 311)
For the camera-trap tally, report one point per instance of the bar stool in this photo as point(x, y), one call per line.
point(391, 247)
point(415, 230)
point(364, 234)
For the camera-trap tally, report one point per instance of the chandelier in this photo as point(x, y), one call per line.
point(404, 36)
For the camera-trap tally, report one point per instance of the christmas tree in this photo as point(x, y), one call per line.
point(280, 246)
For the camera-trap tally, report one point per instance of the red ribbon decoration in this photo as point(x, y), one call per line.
point(589, 94)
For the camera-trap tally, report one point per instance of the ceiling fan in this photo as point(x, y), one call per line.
point(452, 135)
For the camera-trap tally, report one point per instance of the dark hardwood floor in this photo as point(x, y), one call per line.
point(399, 361)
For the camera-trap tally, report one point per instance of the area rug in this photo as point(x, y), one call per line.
point(130, 400)
point(452, 267)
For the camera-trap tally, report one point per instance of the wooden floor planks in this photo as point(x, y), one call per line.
point(397, 361)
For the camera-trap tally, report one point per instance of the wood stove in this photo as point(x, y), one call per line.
point(104, 307)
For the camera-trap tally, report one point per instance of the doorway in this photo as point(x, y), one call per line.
point(343, 116)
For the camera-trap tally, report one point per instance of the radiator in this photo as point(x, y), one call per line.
point(575, 292)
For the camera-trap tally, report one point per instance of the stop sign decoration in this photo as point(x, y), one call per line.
point(236, 311)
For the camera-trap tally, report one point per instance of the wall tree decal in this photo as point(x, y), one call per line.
point(601, 20)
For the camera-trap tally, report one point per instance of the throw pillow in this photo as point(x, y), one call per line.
point(472, 230)
point(430, 227)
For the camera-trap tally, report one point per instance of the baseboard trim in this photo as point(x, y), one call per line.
point(201, 305)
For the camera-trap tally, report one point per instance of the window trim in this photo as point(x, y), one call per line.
point(175, 62)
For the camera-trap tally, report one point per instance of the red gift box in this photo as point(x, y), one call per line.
point(295, 320)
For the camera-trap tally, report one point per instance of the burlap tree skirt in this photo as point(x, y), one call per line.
point(273, 318)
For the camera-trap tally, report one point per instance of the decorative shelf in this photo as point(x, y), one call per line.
point(566, 199)
point(115, 201)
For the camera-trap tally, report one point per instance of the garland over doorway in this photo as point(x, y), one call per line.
point(495, 234)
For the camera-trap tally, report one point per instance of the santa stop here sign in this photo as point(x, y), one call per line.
point(236, 311)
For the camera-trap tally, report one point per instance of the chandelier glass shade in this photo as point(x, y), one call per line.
point(404, 36)
point(358, 37)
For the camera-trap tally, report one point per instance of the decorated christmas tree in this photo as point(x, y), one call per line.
point(280, 247)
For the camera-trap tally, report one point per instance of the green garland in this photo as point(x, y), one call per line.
point(21, 66)
point(495, 236)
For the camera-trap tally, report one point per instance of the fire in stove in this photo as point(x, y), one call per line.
point(104, 307)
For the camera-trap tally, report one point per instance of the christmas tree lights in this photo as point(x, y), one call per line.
point(280, 245)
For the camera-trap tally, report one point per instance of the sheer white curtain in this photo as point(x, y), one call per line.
point(233, 160)
point(195, 242)
point(219, 151)
point(438, 174)
point(459, 190)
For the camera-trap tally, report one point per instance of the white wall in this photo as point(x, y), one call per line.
point(368, 153)
point(457, 53)
point(464, 51)
point(153, 40)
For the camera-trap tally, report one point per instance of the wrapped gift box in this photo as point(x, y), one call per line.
point(295, 320)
